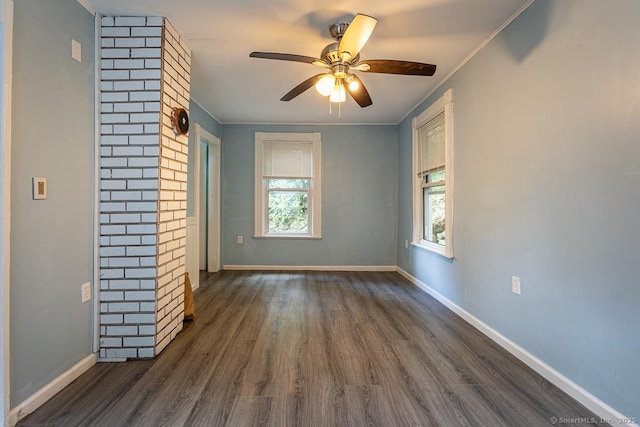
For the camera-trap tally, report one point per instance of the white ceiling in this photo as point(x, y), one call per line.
point(237, 89)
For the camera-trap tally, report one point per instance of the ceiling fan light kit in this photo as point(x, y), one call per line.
point(343, 56)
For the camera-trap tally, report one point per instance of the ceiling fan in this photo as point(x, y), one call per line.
point(343, 56)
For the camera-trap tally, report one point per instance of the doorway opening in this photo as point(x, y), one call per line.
point(203, 228)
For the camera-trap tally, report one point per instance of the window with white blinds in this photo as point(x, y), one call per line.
point(433, 177)
point(287, 185)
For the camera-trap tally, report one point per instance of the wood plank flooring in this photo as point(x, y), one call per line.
point(315, 349)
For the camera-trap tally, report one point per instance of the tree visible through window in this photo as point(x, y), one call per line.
point(433, 177)
point(287, 185)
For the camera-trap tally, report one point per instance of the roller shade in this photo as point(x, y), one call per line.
point(431, 145)
point(287, 160)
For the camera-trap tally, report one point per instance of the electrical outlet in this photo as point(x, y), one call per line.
point(240, 239)
point(515, 285)
point(85, 291)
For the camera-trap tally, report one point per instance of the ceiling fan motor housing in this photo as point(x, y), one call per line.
point(330, 55)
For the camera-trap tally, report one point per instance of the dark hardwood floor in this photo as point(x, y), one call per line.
point(315, 349)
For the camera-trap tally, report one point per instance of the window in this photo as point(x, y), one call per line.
point(433, 177)
point(287, 188)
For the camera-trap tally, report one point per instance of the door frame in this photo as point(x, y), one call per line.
point(213, 213)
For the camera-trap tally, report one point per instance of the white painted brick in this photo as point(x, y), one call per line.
point(114, 139)
point(150, 94)
point(110, 342)
point(128, 64)
point(128, 129)
point(153, 42)
point(112, 273)
point(116, 32)
point(152, 85)
point(144, 184)
point(124, 262)
point(152, 128)
point(150, 195)
point(145, 74)
point(114, 53)
point(152, 106)
point(142, 229)
point(146, 53)
point(106, 129)
point(150, 173)
point(127, 151)
point(106, 86)
point(128, 85)
point(143, 162)
point(123, 307)
point(120, 353)
point(150, 63)
point(113, 162)
point(146, 32)
point(127, 173)
point(152, 151)
point(111, 230)
point(127, 107)
point(126, 195)
point(111, 319)
point(147, 306)
point(139, 272)
point(111, 296)
point(141, 296)
point(146, 353)
point(108, 42)
point(107, 21)
point(112, 184)
point(127, 218)
point(141, 251)
point(112, 207)
point(142, 207)
point(147, 329)
point(144, 118)
point(138, 341)
point(115, 75)
point(147, 261)
point(115, 118)
point(110, 251)
point(122, 330)
point(125, 241)
point(145, 140)
point(114, 96)
point(131, 42)
point(131, 21)
point(106, 64)
point(124, 285)
point(157, 21)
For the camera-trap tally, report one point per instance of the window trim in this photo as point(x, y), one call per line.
point(314, 191)
point(444, 103)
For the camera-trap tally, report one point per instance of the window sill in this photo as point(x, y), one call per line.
point(433, 247)
point(287, 236)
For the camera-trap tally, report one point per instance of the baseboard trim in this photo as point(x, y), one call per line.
point(311, 267)
point(47, 392)
point(591, 402)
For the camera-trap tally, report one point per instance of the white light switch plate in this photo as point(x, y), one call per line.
point(39, 188)
point(85, 290)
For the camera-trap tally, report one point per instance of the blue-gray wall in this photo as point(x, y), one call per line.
point(52, 239)
point(359, 187)
point(547, 170)
point(200, 116)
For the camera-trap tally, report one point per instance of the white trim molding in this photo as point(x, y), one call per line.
point(48, 391)
point(6, 64)
point(591, 402)
point(238, 267)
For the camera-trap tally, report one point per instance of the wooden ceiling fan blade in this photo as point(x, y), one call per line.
point(359, 94)
point(356, 36)
point(284, 57)
point(307, 84)
point(390, 66)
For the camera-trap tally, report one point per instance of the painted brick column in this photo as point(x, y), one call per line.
point(176, 68)
point(143, 186)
